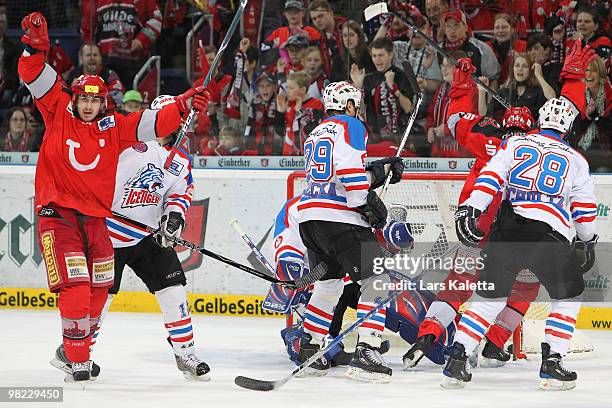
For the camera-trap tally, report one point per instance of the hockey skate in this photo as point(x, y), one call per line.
point(555, 377)
point(192, 367)
point(61, 361)
point(455, 372)
point(420, 347)
point(368, 365)
point(344, 358)
point(308, 348)
point(493, 356)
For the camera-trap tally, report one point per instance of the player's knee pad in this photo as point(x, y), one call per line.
point(173, 303)
point(75, 300)
point(330, 290)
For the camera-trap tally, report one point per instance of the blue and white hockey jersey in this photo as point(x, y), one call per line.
point(144, 190)
point(337, 183)
point(545, 179)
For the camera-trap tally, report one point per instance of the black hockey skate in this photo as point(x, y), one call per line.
point(308, 349)
point(344, 358)
point(193, 368)
point(555, 377)
point(81, 371)
point(493, 356)
point(61, 361)
point(368, 365)
point(455, 372)
point(421, 346)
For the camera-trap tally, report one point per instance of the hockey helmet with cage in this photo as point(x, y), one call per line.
point(337, 94)
point(557, 114)
point(518, 117)
point(90, 86)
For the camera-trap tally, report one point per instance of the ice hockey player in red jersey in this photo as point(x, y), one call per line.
point(74, 184)
point(547, 188)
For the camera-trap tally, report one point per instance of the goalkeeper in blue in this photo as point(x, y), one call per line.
point(547, 191)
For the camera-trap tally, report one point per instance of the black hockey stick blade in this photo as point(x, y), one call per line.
point(311, 277)
point(412, 79)
point(258, 385)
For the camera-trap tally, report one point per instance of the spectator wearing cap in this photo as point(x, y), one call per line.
point(505, 43)
point(294, 14)
point(387, 94)
point(260, 137)
point(15, 134)
point(10, 50)
point(292, 60)
point(592, 134)
point(587, 28)
point(90, 63)
point(132, 101)
point(242, 88)
point(330, 43)
point(435, 9)
point(458, 36)
point(541, 50)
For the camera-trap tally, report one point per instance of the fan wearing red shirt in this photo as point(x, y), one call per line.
point(75, 182)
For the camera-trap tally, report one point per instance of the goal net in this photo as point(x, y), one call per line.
point(430, 200)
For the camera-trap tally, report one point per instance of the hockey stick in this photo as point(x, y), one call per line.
point(419, 99)
point(381, 8)
point(303, 282)
point(262, 259)
point(211, 70)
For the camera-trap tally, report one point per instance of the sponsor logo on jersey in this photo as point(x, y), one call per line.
point(141, 190)
point(103, 270)
point(106, 123)
point(176, 167)
point(140, 147)
point(48, 244)
point(76, 266)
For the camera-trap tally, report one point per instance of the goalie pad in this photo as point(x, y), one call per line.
point(291, 337)
point(281, 299)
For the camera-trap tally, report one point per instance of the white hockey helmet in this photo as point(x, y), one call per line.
point(161, 101)
point(557, 114)
point(337, 94)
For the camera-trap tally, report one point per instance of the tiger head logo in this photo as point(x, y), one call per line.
point(141, 190)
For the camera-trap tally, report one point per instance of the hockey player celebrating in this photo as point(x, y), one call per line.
point(150, 195)
point(547, 185)
point(75, 180)
point(337, 210)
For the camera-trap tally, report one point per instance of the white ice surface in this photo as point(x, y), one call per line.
point(138, 370)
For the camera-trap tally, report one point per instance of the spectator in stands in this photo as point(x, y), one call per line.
point(15, 135)
point(387, 94)
point(587, 28)
point(294, 13)
point(457, 36)
point(525, 86)
point(435, 9)
point(125, 30)
point(554, 29)
point(541, 50)
point(242, 88)
point(260, 137)
point(354, 40)
point(504, 43)
point(441, 140)
point(313, 66)
point(132, 101)
point(592, 134)
point(297, 115)
point(90, 63)
point(330, 43)
point(293, 58)
point(10, 50)
point(392, 27)
point(229, 142)
point(532, 13)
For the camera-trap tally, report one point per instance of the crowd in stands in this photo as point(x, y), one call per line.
point(267, 94)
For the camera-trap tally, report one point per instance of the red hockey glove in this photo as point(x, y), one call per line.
point(200, 95)
point(462, 78)
point(577, 61)
point(36, 33)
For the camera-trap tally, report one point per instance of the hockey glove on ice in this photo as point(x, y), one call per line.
point(585, 251)
point(36, 33)
point(465, 224)
point(374, 211)
point(377, 167)
point(171, 225)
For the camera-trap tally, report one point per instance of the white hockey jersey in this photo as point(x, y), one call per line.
point(144, 191)
point(287, 241)
point(545, 179)
point(337, 183)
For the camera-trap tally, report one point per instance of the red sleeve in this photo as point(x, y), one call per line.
point(44, 84)
point(313, 33)
point(575, 91)
point(151, 29)
point(148, 124)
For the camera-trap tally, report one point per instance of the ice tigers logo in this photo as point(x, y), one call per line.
point(141, 190)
